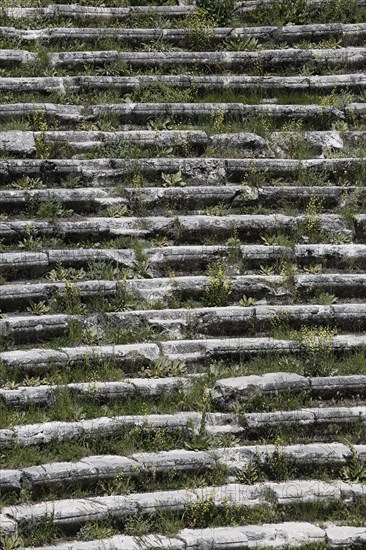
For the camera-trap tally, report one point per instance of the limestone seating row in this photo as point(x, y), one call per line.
point(76, 84)
point(132, 356)
point(276, 144)
point(89, 199)
point(25, 142)
point(91, 12)
point(249, 424)
point(185, 260)
point(352, 33)
point(188, 229)
point(98, 391)
point(68, 514)
point(259, 287)
point(192, 351)
point(136, 114)
point(76, 11)
point(275, 535)
point(217, 423)
point(349, 57)
point(234, 458)
point(17, 296)
point(174, 323)
point(105, 172)
point(228, 390)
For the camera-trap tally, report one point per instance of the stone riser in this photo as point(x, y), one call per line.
point(352, 33)
point(183, 229)
point(259, 287)
point(197, 171)
point(124, 84)
point(133, 356)
point(70, 514)
point(106, 467)
point(183, 260)
point(207, 322)
point(140, 113)
point(285, 535)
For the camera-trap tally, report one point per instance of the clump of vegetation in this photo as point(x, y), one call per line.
point(316, 344)
point(218, 290)
point(220, 10)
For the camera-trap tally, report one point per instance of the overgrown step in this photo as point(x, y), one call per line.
point(107, 467)
point(77, 84)
point(284, 535)
point(71, 513)
point(188, 229)
point(189, 422)
point(178, 323)
point(130, 357)
point(351, 33)
point(350, 58)
point(202, 171)
point(74, 11)
point(141, 113)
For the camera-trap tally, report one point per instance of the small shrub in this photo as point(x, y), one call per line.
point(218, 290)
point(220, 10)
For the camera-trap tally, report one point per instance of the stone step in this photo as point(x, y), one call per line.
point(249, 5)
point(203, 322)
point(128, 357)
point(204, 351)
point(37, 264)
point(107, 467)
point(232, 196)
point(133, 356)
point(100, 392)
point(195, 171)
point(344, 285)
point(240, 389)
point(310, 419)
point(69, 514)
point(89, 199)
point(226, 393)
point(76, 84)
point(184, 260)
point(75, 11)
point(351, 33)
point(275, 145)
point(26, 143)
point(47, 432)
point(185, 229)
point(318, 59)
point(140, 113)
point(85, 199)
point(274, 535)
point(259, 287)
point(13, 58)
point(18, 296)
